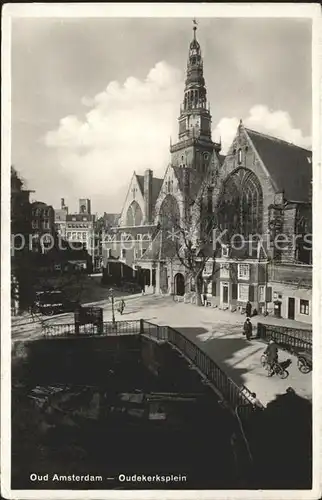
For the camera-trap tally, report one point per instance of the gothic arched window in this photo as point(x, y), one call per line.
point(239, 156)
point(134, 215)
point(240, 204)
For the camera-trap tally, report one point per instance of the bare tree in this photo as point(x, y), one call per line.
point(193, 235)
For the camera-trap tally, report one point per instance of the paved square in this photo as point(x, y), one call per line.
point(218, 333)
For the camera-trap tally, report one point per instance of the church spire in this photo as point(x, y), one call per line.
point(195, 119)
point(195, 146)
point(194, 28)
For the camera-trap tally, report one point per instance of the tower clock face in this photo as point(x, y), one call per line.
point(195, 121)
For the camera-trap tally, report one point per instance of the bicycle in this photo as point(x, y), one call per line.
point(273, 368)
point(304, 362)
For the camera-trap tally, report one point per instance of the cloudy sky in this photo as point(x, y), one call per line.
point(95, 99)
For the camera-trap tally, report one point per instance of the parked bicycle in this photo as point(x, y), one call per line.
point(273, 368)
point(304, 361)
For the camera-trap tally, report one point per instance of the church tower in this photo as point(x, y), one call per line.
point(195, 146)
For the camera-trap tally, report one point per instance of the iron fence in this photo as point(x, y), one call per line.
point(58, 329)
point(232, 394)
point(109, 328)
point(158, 332)
point(292, 339)
point(122, 327)
point(300, 333)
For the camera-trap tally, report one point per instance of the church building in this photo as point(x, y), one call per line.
point(256, 196)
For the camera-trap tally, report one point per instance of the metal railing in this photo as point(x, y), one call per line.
point(58, 330)
point(158, 332)
point(234, 395)
point(122, 327)
point(289, 338)
point(300, 333)
point(109, 328)
point(231, 393)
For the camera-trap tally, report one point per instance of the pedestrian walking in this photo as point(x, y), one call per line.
point(248, 309)
point(248, 329)
point(121, 306)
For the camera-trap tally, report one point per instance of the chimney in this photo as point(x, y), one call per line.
point(62, 202)
point(148, 178)
point(84, 206)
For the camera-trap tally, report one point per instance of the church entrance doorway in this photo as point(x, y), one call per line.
point(179, 287)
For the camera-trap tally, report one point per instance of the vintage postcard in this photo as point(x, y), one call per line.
point(161, 286)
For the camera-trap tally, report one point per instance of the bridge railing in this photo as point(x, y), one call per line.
point(232, 394)
point(109, 328)
point(290, 338)
point(122, 327)
point(159, 332)
point(58, 329)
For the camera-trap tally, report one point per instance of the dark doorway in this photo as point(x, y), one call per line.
point(179, 284)
point(164, 280)
point(291, 308)
point(225, 294)
point(277, 308)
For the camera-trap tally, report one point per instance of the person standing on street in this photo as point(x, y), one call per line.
point(248, 329)
point(248, 309)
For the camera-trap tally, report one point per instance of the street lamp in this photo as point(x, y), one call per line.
point(112, 300)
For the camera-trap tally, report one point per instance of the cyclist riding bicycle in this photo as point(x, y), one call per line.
point(271, 352)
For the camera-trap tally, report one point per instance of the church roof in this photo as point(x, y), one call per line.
point(162, 247)
point(290, 166)
point(195, 180)
point(140, 179)
point(221, 159)
point(156, 186)
point(110, 219)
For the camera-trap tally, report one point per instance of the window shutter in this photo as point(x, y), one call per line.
point(251, 293)
point(234, 291)
point(269, 294)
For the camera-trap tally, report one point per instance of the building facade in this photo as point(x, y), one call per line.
point(257, 199)
point(43, 226)
point(77, 229)
point(60, 219)
point(129, 239)
point(20, 237)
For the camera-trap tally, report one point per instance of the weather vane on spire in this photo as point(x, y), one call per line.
point(195, 24)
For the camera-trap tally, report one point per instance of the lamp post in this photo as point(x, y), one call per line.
point(242, 430)
point(112, 300)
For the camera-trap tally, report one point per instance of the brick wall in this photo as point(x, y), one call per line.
point(289, 231)
point(291, 273)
